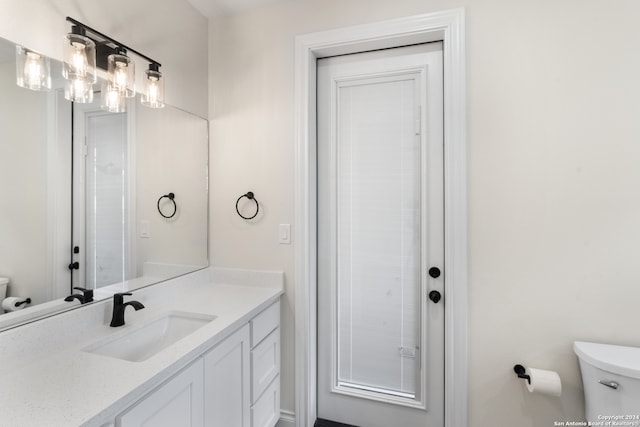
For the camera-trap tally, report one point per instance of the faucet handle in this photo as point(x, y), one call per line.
point(118, 298)
point(87, 294)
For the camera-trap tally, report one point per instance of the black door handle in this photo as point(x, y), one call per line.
point(435, 296)
point(434, 272)
point(74, 266)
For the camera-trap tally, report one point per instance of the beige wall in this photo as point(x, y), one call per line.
point(553, 155)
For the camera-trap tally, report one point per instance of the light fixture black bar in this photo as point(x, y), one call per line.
point(104, 36)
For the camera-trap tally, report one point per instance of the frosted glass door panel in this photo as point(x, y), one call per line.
point(106, 199)
point(379, 233)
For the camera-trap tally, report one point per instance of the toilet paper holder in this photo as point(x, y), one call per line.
point(24, 301)
point(520, 372)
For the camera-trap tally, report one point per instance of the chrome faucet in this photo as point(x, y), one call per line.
point(118, 308)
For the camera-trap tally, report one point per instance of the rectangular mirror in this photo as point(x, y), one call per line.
point(86, 195)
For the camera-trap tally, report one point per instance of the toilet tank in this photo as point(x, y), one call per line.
point(611, 380)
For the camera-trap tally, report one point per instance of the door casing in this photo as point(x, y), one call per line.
point(447, 26)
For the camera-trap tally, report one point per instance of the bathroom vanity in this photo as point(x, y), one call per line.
point(211, 358)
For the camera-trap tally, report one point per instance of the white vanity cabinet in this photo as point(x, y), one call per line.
point(235, 384)
point(178, 402)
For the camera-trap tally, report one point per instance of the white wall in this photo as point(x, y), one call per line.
point(553, 155)
point(171, 32)
point(23, 198)
point(171, 157)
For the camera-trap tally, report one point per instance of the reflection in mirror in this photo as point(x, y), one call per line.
point(23, 173)
point(101, 197)
point(122, 168)
point(82, 192)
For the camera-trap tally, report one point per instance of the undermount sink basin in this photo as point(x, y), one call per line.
point(140, 343)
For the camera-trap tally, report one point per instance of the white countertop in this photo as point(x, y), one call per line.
point(46, 378)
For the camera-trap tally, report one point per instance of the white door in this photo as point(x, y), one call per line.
point(380, 235)
point(100, 196)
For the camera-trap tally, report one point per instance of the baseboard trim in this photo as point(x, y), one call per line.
point(287, 419)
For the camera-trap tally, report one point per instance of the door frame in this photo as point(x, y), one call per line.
point(447, 26)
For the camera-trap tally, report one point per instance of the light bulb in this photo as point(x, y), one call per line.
point(78, 90)
point(120, 77)
point(79, 60)
point(32, 68)
point(79, 57)
point(121, 74)
point(112, 99)
point(153, 91)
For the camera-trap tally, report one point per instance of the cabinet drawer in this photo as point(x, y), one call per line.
point(266, 411)
point(265, 364)
point(264, 323)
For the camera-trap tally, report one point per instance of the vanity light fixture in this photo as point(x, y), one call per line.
point(153, 94)
point(79, 65)
point(121, 73)
point(112, 57)
point(33, 70)
point(120, 82)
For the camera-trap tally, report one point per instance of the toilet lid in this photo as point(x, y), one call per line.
point(616, 359)
point(4, 280)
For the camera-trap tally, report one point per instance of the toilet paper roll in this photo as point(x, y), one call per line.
point(544, 382)
point(9, 304)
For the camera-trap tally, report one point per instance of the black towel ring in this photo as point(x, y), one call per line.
point(249, 195)
point(171, 197)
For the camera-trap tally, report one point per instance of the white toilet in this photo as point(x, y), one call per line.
point(3, 291)
point(611, 380)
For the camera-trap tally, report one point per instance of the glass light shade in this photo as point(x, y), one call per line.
point(112, 99)
point(121, 74)
point(79, 58)
point(153, 95)
point(33, 71)
point(79, 91)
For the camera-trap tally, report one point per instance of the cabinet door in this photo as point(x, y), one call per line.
point(178, 402)
point(227, 382)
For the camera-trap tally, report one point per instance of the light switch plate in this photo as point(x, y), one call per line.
point(284, 234)
point(144, 230)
